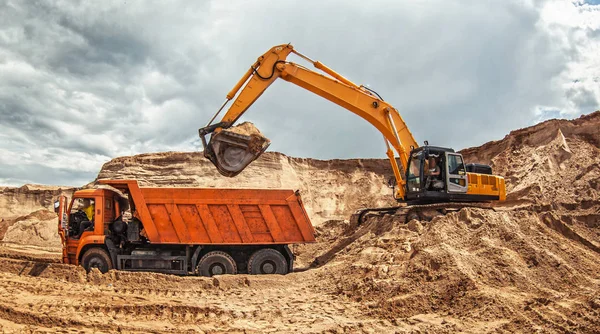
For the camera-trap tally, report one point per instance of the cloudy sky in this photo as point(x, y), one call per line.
point(82, 82)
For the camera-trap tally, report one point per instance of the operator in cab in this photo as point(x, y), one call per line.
point(88, 209)
point(433, 172)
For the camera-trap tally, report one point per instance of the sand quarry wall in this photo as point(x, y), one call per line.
point(15, 202)
point(555, 161)
point(331, 189)
point(27, 216)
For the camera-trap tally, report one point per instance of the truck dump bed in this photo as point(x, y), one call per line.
point(218, 216)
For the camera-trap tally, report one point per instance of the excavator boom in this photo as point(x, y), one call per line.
point(232, 152)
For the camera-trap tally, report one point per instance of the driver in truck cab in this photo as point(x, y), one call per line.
point(88, 208)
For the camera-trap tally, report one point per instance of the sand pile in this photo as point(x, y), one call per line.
point(38, 228)
point(557, 161)
point(475, 270)
point(530, 265)
point(258, 142)
point(246, 129)
point(26, 216)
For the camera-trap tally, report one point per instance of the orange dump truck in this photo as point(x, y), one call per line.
point(201, 231)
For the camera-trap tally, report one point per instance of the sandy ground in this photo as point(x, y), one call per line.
point(509, 270)
point(41, 295)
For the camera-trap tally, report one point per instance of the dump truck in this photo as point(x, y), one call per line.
point(185, 231)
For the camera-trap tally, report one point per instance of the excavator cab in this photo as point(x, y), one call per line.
point(435, 174)
point(232, 152)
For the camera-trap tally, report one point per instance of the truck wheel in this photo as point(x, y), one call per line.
point(267, 261)
point(216, 263)
point(96, 258)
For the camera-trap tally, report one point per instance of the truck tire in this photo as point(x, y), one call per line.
point(216, 263)
point(267, 261)
point(96, 258)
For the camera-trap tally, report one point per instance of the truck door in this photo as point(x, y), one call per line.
point(456, 174)
point(60, 207)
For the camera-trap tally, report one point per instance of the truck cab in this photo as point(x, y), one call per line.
point(80, 230)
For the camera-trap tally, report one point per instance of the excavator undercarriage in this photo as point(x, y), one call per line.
point(406, 213)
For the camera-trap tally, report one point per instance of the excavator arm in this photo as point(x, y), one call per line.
point(331, 86)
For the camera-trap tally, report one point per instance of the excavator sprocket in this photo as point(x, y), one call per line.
point(231, 152)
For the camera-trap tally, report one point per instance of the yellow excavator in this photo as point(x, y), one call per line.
point(422, 175)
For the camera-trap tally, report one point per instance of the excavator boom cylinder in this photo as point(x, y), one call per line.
point(334, 74)
point(239, 84)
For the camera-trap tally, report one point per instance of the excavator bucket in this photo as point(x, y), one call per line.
point(231, 152)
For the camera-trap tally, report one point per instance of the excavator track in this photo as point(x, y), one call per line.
point(416, 211)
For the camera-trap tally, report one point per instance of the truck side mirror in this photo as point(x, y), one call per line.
point(56, 206)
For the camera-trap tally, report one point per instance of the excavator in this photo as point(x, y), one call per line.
point(424, 176)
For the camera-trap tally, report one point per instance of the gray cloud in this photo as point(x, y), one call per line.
point(58, 176)
point(83, 82)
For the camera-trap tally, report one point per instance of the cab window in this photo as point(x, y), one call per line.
point(85, 205)
point(82, 216)
point(456, 165)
